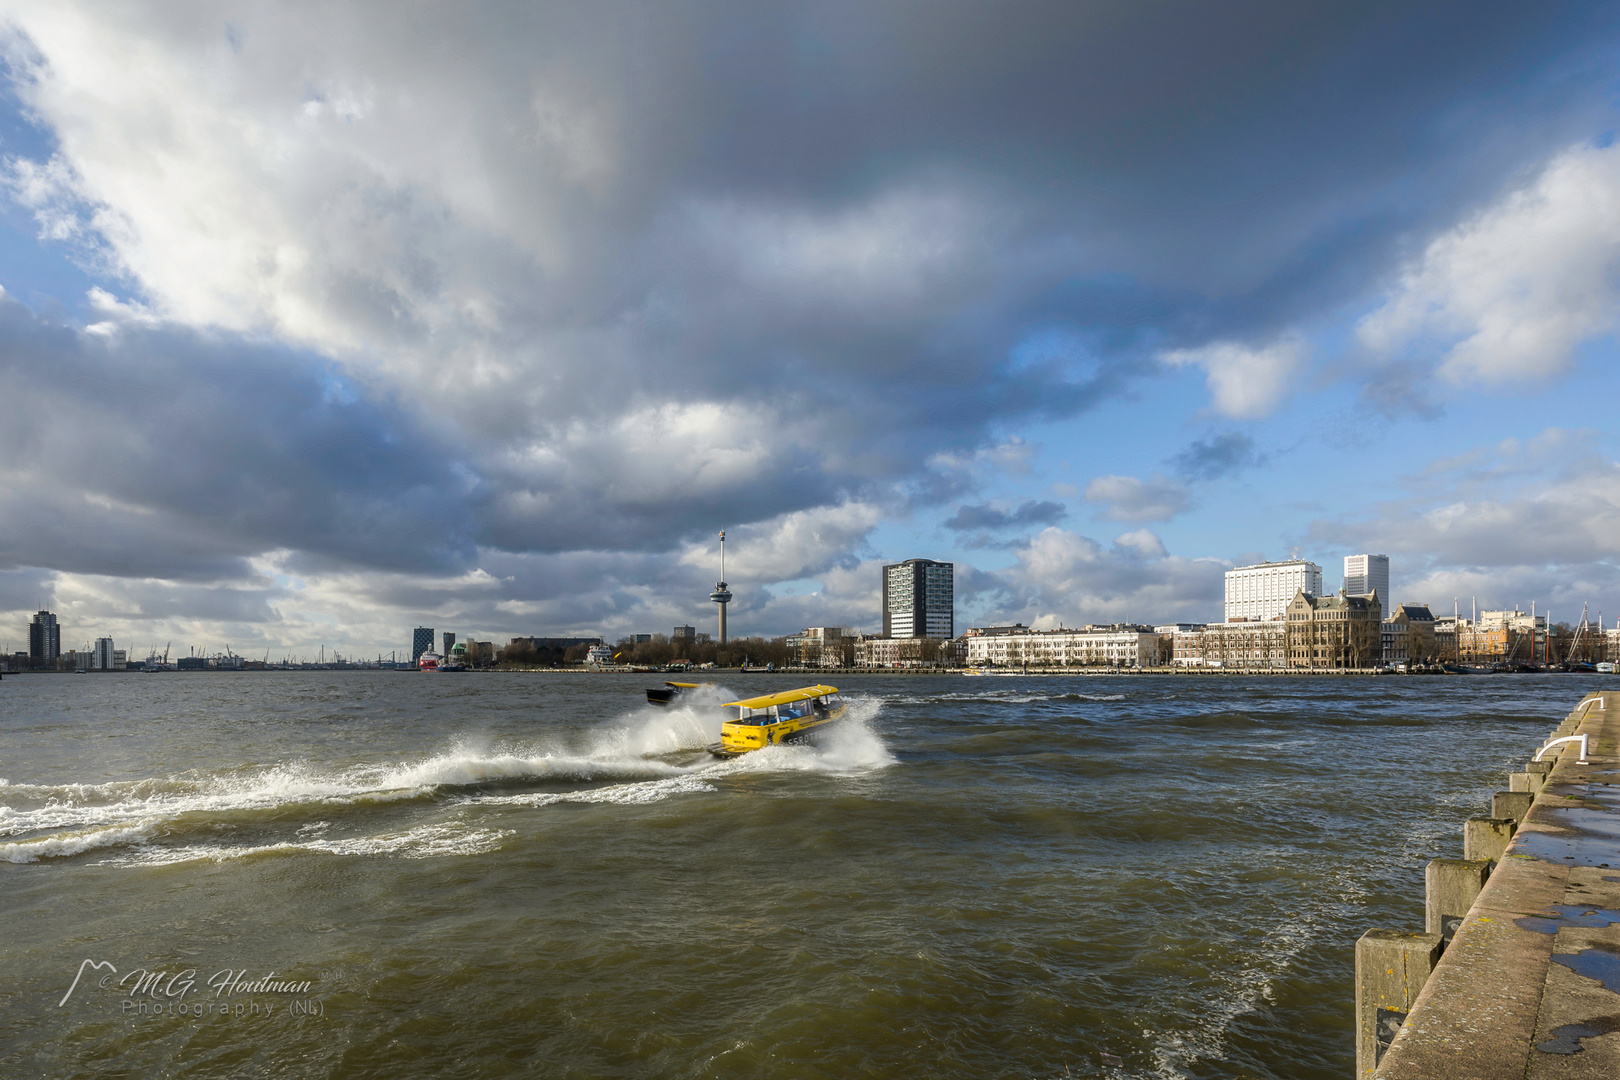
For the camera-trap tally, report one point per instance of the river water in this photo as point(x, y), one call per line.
point(493, 875)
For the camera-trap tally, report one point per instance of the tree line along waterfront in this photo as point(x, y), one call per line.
point(1213, 648)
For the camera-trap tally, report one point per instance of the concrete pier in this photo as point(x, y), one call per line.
point(1391, 968)
point(1529, 985)
point(1450, 887)
point(1511, 804)
point(1487, 838)
point(1525, 781)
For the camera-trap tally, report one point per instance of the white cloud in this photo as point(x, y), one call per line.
point(1515, 521)
point(1246, 383)
point(116, 312)
point(1508, 295)
point(797, 545)
point(1064, 576)
point(1145, 542)
point(1130, 498)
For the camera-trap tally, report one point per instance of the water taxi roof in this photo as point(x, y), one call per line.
point(682, 685)
point(787, 697)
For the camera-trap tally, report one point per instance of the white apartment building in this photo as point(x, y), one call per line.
point(909, 652)
point(1263, 591)
point(1366, 574)
point(101, 657)
point(1245, 645)
point(1092, 647)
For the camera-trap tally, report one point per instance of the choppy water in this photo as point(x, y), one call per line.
point(530, 875)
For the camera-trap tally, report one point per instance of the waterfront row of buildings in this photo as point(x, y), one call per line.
point(1327, 633)
point(1276, 617)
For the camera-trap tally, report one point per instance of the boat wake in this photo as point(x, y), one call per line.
point(642, 757)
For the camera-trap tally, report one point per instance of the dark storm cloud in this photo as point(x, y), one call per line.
point(985, 516)
point(1217, 456)
point(25, 590)
point(1142, 175)
point(596, 277)
point(177, 455)
point(1242, 152)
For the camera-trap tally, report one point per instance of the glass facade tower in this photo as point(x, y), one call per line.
point(919, 599)
point(421, 642)
point(44, 640)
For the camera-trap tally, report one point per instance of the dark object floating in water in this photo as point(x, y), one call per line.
point(663, 695)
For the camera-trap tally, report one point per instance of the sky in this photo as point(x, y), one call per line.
point(324, 321)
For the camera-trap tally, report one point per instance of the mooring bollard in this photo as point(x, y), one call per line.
point(1487, 838)
point(1511, 804)
point(1391, 968)
point(1450, 887)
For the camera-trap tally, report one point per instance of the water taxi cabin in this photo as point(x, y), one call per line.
point(777, 718)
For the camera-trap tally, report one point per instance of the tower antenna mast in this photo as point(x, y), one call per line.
point(721, 594)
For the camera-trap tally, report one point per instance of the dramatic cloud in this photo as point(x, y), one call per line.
point(497, 313)
point(1129, 498)
point(1508, 295)
point(160, 454)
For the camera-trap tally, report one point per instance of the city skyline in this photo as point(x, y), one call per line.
point(922, 589)
point(302, 346)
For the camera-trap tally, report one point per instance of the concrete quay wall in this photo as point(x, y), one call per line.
point(1517, 970)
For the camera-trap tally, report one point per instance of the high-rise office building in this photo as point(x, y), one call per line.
point(44, 640)
point(421, 642)
point(101, 657)
point(1262, 591)
point(1365, 574)
point(684, 633)
point(919, 599)
point(449, 642)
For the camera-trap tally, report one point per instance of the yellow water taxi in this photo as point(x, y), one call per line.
point(792, 716)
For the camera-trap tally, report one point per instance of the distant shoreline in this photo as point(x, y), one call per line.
point(846, 672)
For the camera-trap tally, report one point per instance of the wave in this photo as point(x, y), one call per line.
point(996, 697)
point(299, 784)
point(638, 756)
point(435, 840)
point(78, 842)
point(621, 794)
